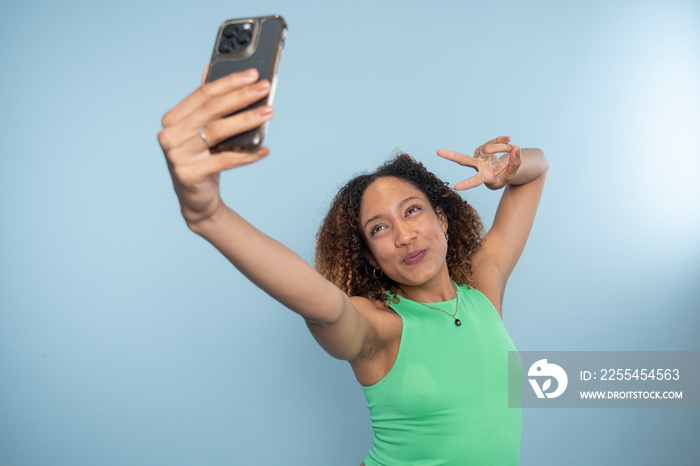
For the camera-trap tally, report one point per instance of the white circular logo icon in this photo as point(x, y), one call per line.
point(542, 368)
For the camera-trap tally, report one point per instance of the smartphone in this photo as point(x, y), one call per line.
point(242, 44)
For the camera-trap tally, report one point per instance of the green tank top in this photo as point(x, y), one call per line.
point(445, 400)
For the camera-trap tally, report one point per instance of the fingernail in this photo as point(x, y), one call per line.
point(266, 111)
point(262, 86)
point(249, 75)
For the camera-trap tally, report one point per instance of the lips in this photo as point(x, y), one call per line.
point(414, 257)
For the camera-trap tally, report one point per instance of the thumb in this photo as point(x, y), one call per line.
point(514, 162)
point(472, 182)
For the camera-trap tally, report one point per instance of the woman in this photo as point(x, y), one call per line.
point(409, 292)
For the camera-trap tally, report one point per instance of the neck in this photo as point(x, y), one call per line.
point(437, 290)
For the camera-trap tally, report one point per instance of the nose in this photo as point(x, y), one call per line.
point(404, 234)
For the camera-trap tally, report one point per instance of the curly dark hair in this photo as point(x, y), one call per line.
point(341, 251)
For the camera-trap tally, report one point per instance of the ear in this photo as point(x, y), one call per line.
point(442, 218)
point(372, 261)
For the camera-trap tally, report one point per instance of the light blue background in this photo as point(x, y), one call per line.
point(127, 340)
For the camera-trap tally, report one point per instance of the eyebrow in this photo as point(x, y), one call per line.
point(399, 205)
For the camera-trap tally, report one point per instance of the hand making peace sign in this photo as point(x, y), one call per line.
point(491, 170)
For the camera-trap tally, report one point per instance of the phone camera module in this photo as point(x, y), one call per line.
point(235, 38)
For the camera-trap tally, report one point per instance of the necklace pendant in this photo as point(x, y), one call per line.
point(458, 322)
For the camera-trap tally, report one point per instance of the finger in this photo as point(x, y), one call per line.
point(208, 91)
point(492, 148)
point(507, 172)
point(501, 139)
point(472, 182)
point(461, 159)
point(191, 174)
point(220, 130)
point(227, 104)
point(514, 162)
point(213, 109)
point(228, 160)
point(204, 75)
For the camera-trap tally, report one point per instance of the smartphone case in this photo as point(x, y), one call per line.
point(264, 54)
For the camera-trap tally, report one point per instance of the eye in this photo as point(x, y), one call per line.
point(412, 209)
point(376, 229)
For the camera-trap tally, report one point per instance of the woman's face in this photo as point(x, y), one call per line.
point(405, 236)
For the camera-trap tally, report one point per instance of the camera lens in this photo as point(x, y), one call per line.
point(227, 46)
point(230, 30)
point(243, 37)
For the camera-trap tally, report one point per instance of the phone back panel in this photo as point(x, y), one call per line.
point(268, 41)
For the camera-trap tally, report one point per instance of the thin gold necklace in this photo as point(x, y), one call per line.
point(454, 316)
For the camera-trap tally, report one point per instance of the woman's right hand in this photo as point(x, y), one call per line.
point(194, 170)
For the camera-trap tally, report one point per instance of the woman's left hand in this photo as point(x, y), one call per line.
point(491, 170)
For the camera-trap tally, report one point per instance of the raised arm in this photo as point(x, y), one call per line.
point(522, 172)
point(188, 130)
